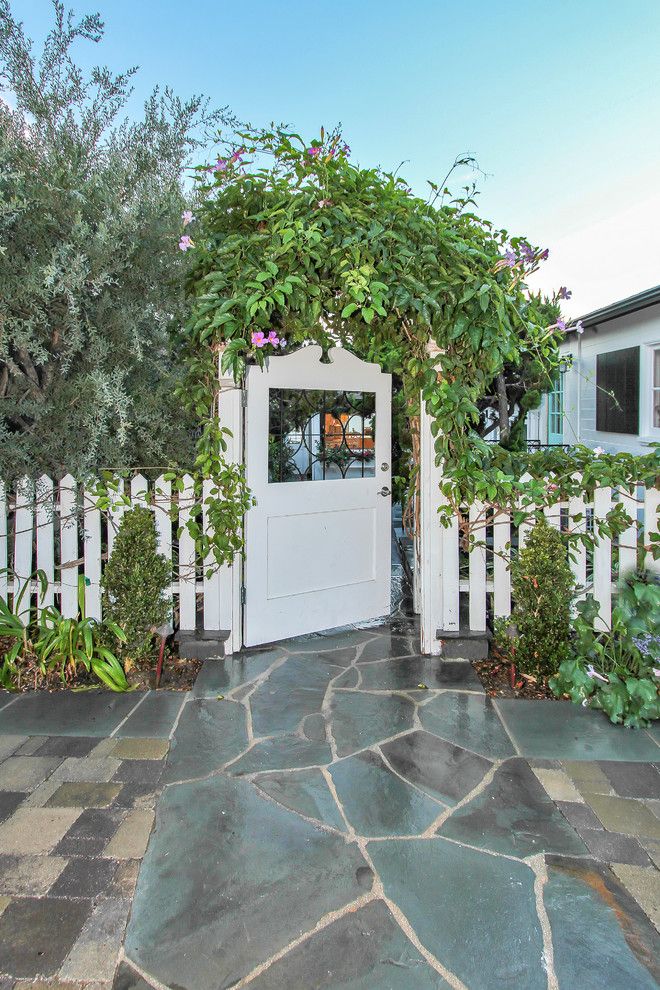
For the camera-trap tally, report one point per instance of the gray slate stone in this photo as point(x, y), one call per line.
point(360, 720)
point(209, 734)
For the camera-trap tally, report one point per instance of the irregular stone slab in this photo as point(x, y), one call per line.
point(127, 979)
point(475, 912)
point(385, 647)
point(364, 950)
point(291, 692)
point(600, 936)
point(209, 734)
point(446, 772)
point(514, 815)
point(223, 863)
point(560, 730)
point(408, 673)
point(67, 713)
point(314, 727)
point(360, 720)
point(305, 792)
point(155, 717)
point(331, 640)
point(222, 676)
point(469, 720)
point(36, 934)
point(377, 802)
point(349, 679)
point(282, 753)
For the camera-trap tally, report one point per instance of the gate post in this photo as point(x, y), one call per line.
point(230, 576)
point(430, 536)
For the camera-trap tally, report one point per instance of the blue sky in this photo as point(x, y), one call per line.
point(558, 101)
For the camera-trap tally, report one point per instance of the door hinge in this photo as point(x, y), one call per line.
point(243, 595)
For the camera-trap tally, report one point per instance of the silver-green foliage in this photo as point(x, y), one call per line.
point(90, 275)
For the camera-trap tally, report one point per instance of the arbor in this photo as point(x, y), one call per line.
point(90, 275)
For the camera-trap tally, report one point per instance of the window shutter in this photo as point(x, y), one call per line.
point(617, 372)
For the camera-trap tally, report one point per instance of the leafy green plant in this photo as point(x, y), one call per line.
point(55, 646)
point(134, 582)
point(542, 586)
point(618, 669)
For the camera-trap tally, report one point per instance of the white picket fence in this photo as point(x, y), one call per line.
point(486, 572)
point(57, 528)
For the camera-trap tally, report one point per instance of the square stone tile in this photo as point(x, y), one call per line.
point(133, 793)
point(84, 878)
point(644, 885)
point(24, 773)
point(31, 747)
point(559, 730)
point(81, 794)
point(41, 794)
point(87, 769)
point(625, 815)
point(638, 780)
point(94, 956)
point(9, 802)
point(588, 777)
point(36, 934)
point(96, 823)
point(558, 785)
point(73, 847)
point(29, 876)
point(579, 814)
point(67, 713)
point(141, 749)
point(612, 847)
point(125, 879)
point(131, 838)
point(35, 830)
point(9, 744)
point(142, 771)
point(65, 746)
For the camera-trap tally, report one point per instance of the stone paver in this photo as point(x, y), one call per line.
point(318, 819)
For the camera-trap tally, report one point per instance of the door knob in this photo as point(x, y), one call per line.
point(384, 491)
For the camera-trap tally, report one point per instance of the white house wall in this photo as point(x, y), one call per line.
point(637, 329)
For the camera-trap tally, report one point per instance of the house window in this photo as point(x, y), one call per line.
point(617, 391)
point(655, 390)
point(556, 412)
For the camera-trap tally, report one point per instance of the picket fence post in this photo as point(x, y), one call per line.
point(229, 582)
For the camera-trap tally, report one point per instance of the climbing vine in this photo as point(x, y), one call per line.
point(293, 243)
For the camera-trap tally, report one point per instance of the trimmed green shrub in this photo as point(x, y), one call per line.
point(543, 587)
point(134, 583)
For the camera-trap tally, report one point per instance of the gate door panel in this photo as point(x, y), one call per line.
point(318, 452)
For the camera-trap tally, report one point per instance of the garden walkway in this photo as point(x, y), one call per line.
point(334, 812)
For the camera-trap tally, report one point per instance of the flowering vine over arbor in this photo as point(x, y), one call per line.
point(292, 243)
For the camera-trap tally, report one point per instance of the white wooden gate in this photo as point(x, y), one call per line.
point(318, 461)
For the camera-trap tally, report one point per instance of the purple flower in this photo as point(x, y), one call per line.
point(185, 243)
point(313, 152)
point(220, 165)
point(282, 344)
point(187, 217)
point(528, 252)
point(236, 157)
point(259, 338)
point(564, 293)
point(273, 339)
point(592, 672)
point(544, 255)
point(346, 150)
point(561, 324)
point(510, 258)
point(578, 327)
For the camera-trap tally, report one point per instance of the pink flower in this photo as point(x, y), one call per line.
point(598, 451)
point(273, 339)
point(187, 217)
point(220, 165)
point(236, 157)
point(313, 152)
point(259, 338)
point(656, 671)
point(185, 243)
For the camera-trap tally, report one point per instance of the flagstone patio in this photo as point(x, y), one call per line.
point(333, 812)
